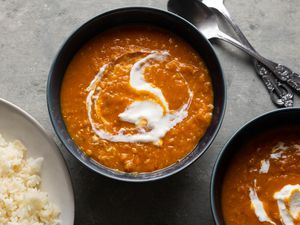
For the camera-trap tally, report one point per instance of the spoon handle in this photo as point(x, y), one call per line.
point(280, 94)
point(282, 72)
point(285, 74)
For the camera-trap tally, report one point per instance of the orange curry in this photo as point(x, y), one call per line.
point(265, 165)
point(104, 66)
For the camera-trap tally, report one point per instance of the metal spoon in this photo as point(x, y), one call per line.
point(206, 21)
point(280, 94)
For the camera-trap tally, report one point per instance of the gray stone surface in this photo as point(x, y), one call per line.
point(31, 32)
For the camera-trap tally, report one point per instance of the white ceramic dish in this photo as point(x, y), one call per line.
point(17, 124)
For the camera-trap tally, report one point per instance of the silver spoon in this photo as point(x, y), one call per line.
point(206, 21)
point(280, 94)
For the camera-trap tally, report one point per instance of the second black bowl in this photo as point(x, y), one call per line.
point(276, 119)
point(124, 16)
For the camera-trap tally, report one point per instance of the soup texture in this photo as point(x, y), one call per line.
point(137, 98)
point(262, 185)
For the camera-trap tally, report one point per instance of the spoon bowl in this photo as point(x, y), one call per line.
point(198, 14)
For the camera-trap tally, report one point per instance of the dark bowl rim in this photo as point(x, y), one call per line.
point(141, 179)
point(225, 148)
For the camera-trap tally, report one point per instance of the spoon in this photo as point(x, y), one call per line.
point(280, 94)
point(206, 21)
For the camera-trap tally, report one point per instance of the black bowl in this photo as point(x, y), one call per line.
point(269, 121)
point(136, 15)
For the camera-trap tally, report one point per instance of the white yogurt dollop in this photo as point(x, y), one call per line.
point(288, 201)
point(148, 110)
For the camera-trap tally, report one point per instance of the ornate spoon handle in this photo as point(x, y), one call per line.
point(285, 74)
point(280, 94)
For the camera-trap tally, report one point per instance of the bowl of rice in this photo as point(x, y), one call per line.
point(35, 185)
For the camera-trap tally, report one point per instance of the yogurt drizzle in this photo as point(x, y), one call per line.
point(158, 122)
point(258, 206)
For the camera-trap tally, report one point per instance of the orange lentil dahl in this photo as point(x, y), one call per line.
point(183, 69)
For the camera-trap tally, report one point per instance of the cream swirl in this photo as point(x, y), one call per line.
point(258, 206)
point(159, 120)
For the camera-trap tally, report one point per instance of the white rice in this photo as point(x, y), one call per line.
point(21, 200)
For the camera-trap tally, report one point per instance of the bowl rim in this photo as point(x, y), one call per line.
point(138, 179)
point(43, 131)
point(225, 148)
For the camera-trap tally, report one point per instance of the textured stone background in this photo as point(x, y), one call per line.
point(31, 32)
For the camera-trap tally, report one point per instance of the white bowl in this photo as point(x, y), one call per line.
point(17, 124)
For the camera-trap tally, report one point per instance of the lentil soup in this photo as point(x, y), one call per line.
point(262, 184)
point(137, 98)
